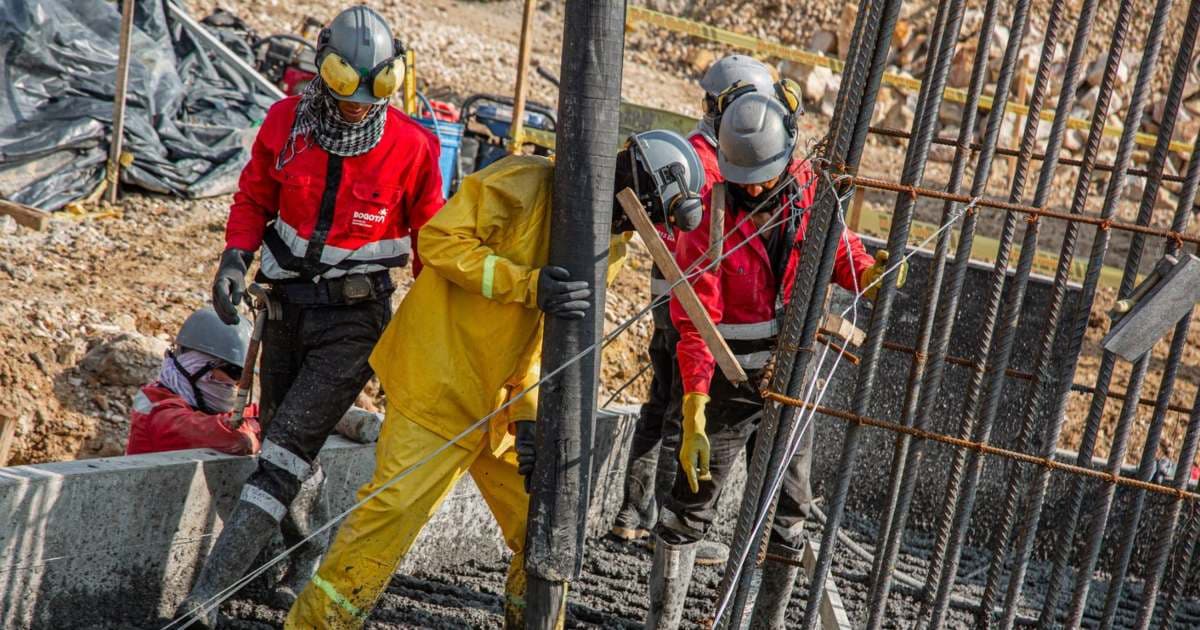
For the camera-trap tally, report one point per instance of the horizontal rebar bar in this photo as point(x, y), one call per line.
point(1033, 212)
point(1037, 157)
point(1027, 376)
point(985, 448)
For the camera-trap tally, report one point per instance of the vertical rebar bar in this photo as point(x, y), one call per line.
point(904, 481)
point(811, 277)
point(1162, 546)
point(1116, 185)
point(978, 187)
point(1185, 555)
point(1063, 108)
point(1148, 464)
point(1037, 484)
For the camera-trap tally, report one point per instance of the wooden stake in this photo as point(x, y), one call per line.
point(25, 215)
point(518, 116)
point(1022, 97)
point(8, 428)
point(114, 150)
point(856, 205)
point(682, 290)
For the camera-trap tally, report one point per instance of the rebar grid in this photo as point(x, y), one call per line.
point(1005, 305)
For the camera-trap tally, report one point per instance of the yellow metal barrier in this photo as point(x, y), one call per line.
point(768, 48)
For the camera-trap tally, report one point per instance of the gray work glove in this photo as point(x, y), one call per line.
point(526, 451)
point(558, 295)
point(230, 284)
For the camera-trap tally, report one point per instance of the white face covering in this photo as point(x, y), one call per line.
point(190, 375)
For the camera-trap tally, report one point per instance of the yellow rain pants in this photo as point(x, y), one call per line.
point(376, 536)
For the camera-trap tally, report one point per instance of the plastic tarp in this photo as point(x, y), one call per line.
point(189, 117)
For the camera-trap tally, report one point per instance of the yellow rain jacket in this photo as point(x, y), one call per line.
point(469, 333)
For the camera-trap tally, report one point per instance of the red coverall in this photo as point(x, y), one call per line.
point(161, 420)
point(743, 297)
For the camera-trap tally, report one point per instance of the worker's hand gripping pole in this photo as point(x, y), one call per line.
point(681, 289)
point(263, 309)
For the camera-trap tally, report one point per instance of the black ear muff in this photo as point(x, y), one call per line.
point(685, 208)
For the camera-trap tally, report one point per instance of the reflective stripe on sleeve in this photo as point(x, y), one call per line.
point(489, 274)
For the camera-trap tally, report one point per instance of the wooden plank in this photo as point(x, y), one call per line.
point(8, 428)
point(842, 328)
point(25, 215)
point(682, 290)
point(716, 223)
point(833, 613)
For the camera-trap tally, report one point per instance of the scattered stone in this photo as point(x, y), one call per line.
point(128, 359)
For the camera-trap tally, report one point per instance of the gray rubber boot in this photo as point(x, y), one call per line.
point(711, 553)
point(246, 531)
point(670, 577)
point(638, 510)
point(774, 593)
point(308, 512)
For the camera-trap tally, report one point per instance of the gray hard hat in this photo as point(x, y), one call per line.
point(204, 331)
point(676, 171)
point(363, 38)
point(733, 68)
point(756, 140)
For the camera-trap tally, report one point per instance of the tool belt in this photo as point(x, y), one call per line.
point(346, 290)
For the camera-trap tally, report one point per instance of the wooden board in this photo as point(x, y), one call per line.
point(25, 215)
point(833, 613)
point(8, 428)
point(681, 289)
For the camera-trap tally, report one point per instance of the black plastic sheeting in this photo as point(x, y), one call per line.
point(189, 116)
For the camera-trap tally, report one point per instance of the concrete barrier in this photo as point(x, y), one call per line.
point(116, 542)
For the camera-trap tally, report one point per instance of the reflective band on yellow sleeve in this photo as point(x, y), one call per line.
point(489, 274)
point(337, 597)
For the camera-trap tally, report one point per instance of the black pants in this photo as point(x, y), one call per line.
point(651, 469)
point(733, 415)
point(314, 364)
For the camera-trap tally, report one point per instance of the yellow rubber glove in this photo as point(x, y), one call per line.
point(874, 272)
point(694, 450)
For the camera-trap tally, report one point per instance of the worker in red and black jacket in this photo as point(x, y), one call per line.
point(337, 185)
point(768, 192)
point(652, 462)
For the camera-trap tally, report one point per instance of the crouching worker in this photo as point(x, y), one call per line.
point(768, 192)
point(336, 183)
point(467, 340)
point(191, 403)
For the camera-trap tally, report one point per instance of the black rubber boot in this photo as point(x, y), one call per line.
point(638, 511)
point(774, 593)
point(670, 577)
point(308, 512)
point(245, 533)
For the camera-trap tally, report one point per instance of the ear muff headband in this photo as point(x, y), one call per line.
point(343, 79)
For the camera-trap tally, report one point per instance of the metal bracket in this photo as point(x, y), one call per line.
point(1156, 305)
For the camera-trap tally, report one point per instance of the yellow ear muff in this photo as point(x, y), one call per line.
point(339, 75)
point(789, 94)
point(388, 79)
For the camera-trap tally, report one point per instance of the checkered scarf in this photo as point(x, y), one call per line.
point(318, 118)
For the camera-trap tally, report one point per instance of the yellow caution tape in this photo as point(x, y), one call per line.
point(768, 48)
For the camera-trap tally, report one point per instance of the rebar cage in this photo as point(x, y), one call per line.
point(1115, 543)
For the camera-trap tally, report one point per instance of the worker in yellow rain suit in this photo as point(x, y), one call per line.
point(467, 339)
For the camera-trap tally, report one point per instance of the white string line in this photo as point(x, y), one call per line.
point(216, 600)
point(802, 424)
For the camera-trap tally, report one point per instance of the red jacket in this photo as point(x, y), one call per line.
point(163, 421)
point(740, 294)
point(381, 198)
point(708, 159)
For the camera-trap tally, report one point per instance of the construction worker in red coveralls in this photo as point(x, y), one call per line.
point(337, 183)
point(652, 454)
point(190, 403)
point(479, 308)
point(744, 295)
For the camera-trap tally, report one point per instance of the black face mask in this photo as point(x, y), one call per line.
point(743, 200)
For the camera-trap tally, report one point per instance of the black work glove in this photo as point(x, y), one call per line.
point(526, 451)
point(558, 295)
point(230, 284)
